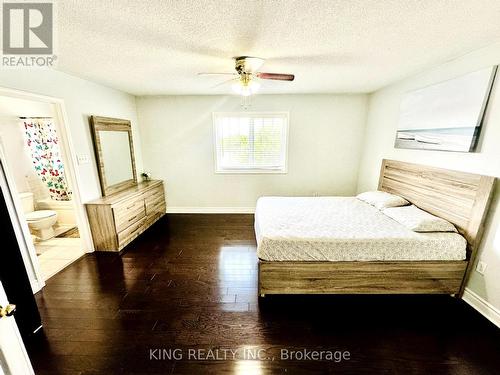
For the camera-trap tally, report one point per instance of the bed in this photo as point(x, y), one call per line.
point(341, 245)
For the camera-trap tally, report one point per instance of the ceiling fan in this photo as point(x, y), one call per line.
point(247, 75)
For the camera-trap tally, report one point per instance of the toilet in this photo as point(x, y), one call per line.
point(40, 222)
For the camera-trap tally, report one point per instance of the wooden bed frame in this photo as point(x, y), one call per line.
point(459, 197)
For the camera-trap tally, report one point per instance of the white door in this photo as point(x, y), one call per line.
point(14, 359)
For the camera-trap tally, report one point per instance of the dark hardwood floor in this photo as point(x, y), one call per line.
point(189, 283)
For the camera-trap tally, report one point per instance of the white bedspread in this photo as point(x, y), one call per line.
point(343, 229)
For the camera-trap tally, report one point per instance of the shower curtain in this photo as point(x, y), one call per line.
point(41, 138)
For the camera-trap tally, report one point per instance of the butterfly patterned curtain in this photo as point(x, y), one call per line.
point(41, 138)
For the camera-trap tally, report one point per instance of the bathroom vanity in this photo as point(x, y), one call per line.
point(118, 219)
point(127, 208)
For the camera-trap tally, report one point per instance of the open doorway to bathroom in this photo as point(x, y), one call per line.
point(33, 158)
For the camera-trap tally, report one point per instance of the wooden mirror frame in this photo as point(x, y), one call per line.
point(111, 124)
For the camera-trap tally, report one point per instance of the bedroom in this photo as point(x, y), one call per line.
point(172, 284)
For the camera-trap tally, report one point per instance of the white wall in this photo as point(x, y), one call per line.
point(325, 138)
point(18, 160)
point(82, 99)
point(380, 133)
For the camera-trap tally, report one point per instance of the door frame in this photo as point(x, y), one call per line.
point(26, 246)
point(73, 179)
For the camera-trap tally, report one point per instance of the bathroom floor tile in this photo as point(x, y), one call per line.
point(57, 253)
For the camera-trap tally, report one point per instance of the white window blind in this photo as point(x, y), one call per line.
point(251, 142)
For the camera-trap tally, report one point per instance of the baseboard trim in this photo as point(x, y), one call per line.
point(210, 210)
point(489, 311)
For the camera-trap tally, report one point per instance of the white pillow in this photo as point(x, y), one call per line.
point(382, 199)
point(419, 220)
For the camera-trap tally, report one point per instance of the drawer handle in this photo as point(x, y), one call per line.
point(132, 218)
point(129, 207)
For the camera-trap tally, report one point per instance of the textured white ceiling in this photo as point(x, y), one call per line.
point(157, 47)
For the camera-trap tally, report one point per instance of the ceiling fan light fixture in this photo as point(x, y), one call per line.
point(247, 72)
point(246, 88)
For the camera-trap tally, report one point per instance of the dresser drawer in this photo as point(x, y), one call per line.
point(154, 193)
point(159, 207)
point(151, 219)
point(151, 200)
point(128, 213)
point(127, 235)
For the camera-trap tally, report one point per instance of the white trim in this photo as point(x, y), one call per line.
point(489, 311)
point(21, 230)
point(74, 178)
point(210, 210)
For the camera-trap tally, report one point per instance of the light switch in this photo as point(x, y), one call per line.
point(83, 159)
point(481, 267)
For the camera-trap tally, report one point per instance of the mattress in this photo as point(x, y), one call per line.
point(343, 229)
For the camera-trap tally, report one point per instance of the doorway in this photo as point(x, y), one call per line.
point(35, 155)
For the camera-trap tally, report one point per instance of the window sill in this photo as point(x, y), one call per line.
point(251, 171)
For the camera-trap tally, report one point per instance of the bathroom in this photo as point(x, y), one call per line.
point(32, 158)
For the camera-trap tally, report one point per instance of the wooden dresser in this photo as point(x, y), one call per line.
point(117, 219)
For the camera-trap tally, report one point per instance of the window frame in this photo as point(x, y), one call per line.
point(259, 170)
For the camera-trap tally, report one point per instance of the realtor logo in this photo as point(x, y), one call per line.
point(28, 28)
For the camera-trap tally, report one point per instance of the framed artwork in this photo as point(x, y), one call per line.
point(447, 116)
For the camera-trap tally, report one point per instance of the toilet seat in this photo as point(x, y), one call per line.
point(39, 215)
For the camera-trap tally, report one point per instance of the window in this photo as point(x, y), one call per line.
point(251, 142)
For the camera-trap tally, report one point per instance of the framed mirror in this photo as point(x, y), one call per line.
point(114, 150)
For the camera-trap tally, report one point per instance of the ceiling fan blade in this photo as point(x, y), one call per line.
point(217, 74)
point(223, 83)
point(276, 76)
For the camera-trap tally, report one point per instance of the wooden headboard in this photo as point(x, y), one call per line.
point(459, 197)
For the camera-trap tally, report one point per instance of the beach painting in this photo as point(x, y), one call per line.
point(446, 116)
